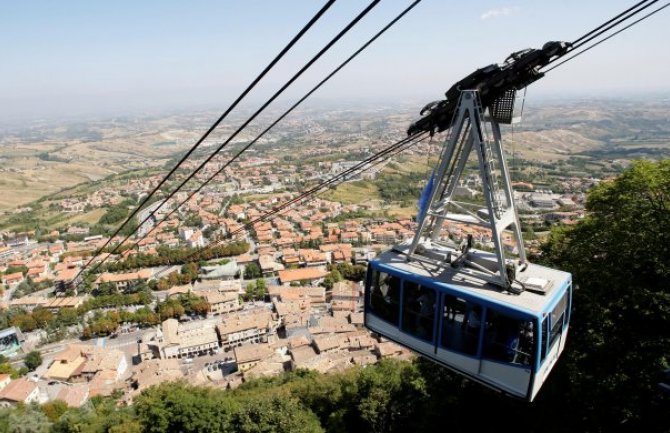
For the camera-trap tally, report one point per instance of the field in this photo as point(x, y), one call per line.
point(27, 179)
point(355, 192)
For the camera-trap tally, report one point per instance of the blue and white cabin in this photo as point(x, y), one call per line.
point(509, 342)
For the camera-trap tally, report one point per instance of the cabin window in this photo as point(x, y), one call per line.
point(461, 323)
point(557, 316)
point(418, 310)
point(508, 339)
point(385, 297)
point(552, 325)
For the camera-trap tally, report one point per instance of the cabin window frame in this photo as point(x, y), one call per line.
point(403, 308)
point(500, 352)
point(554, 325)
point(443, 317)
point(375, 280)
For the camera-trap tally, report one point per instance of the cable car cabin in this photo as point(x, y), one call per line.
point(506, 341)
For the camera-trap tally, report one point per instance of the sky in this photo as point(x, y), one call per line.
point(82, 57)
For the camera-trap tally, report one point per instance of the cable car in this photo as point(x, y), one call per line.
point(489, 315)
point(507, 341)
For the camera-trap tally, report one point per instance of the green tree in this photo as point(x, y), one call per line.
point(255, 290)
point(274, 413)
point(24, 321)
point(176, 407)
point(6, 368)
point(252, 271)
point(54, 409)
point(42, 317)
point(350, 272)
point(171, 308)
point(333, 277)
point(28, 419)
point(114, 215)
point(261, 288)
point(619, 256)
point(15, 269)
point(67, 317)
point(190, 272)
point(33, 360)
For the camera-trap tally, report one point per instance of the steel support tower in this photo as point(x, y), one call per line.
point(473, 128)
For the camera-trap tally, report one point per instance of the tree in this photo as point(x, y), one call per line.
point(105, 289)
point(261, 288)
point(175, 308)
point(619, 256)
point(33, 360)
point(175, 407)
point(249, 292)
point(190, 270)
point(67, 317)
point(274, 413)
point(252, 271)
point(28, 419)
point(114, 214)
point(25, 322)
point(42, 317)
point(331, 279)
point(350, 272)
point(6, 368)
point(255, 290)
point(54, 409)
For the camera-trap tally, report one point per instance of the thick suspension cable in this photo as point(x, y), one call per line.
point(232, 106)
point(584, 36)
point(604, 28)
point(280, 118)
point(614, 24)
point(608, 37)
point(327, 47)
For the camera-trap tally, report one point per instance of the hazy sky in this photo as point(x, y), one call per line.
point(73, 57)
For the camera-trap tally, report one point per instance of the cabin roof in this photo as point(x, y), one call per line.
point(528, 301)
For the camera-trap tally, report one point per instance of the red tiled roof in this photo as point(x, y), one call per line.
point(289, 275)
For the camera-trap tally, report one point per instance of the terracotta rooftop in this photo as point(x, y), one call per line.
point(290, 275)
point(73, 396)
point(130, 276)
point(258, 319)
point(17, 390)
point(252, 352)
point(302, 354)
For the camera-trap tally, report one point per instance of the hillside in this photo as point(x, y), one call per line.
point(602, 129)
point(43, 158)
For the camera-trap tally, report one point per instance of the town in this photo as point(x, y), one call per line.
point(212, 293)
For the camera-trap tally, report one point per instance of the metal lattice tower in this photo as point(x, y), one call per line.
point(471, 130)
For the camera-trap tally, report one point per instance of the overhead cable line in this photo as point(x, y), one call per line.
point(584, 36)
point(608, 37)
point(332, 182)
point(280, 118)
point(613, 24)
point(348, 27)
point(604, 28)
point(281, 54)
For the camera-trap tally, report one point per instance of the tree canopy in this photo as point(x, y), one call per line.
point(619, 256)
